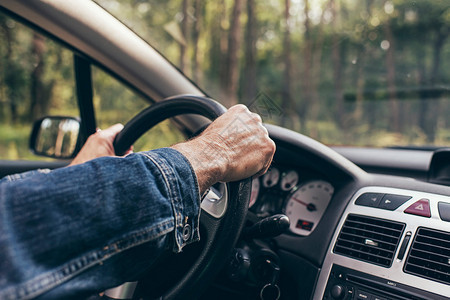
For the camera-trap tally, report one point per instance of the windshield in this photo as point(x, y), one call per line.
point(345, 72)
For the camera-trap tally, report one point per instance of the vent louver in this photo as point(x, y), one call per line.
point(429, 255)
point(369, 239)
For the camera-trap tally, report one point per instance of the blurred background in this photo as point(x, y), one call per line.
point(370, 73)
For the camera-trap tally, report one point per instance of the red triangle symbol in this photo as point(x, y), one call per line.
point(420, 208)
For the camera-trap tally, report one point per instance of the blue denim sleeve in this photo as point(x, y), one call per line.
point(58, 228)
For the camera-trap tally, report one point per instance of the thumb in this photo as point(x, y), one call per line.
point(111, 132)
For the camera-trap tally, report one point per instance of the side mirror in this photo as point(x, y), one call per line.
point(56, 137)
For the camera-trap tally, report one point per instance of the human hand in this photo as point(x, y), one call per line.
point(99, 144)
point(235, 146)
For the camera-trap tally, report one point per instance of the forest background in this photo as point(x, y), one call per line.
point(346, 72)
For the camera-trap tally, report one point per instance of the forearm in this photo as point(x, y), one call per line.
point(81, 216)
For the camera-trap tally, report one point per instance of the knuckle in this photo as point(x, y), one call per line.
point(239, 107)
point(256, 117)
point(271, 147)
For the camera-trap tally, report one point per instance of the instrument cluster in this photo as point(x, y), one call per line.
point(301, 195)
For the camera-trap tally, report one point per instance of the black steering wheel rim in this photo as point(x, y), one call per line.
point(169, 107)
point(220, 234)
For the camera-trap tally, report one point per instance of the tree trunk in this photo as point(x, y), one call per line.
point(37, 84)
point(392, 91)
point(184, 31)
point(9, 88)
point(317, 49)
point(287, 103)
point(441, 36)
point(431, 123)
point(360, 83)
point(337, 70)
point(41, 91)
point(218, 42)
point(198, 20)
point(234, 41)
point(307, 69)
point(250, 54)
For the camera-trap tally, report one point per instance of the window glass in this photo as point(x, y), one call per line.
point(116, 103)
point(346, 72)
point(36, 79)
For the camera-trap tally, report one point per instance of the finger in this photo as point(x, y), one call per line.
point(264, 129)
point(257, 117)
point(239, 107)
point(116, 128)
point(112, 131)
point(264, 169)
point(129, 151)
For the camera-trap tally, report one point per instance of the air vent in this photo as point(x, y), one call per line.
point(369, 239)
point(429, 255)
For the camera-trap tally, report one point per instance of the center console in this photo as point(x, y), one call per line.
point(390, 244)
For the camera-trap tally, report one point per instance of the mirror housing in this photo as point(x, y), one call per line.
point(56, 137)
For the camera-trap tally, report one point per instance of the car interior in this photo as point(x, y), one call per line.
point(325, 222)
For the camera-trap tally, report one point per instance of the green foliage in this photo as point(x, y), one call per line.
point(14, 142)
point(368, 72)
point(364, 32)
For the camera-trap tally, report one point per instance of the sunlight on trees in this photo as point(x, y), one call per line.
point(347, 72)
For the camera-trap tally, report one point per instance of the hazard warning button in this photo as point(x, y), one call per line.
point(420, 208)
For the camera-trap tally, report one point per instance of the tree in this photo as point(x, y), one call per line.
point(287, 101)
point(198, 22)
point(184, 31)
point(232, 64)
point(41, 91)
point(389, 46)
point(307, 67)
point(249, 82)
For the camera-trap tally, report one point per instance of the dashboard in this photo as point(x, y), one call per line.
point(354, 235)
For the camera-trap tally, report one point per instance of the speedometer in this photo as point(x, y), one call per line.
point(306, 205)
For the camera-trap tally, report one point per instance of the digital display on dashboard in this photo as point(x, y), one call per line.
point(305, 225)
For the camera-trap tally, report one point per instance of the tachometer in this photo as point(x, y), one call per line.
point(306, 205)
point(289, 180)
point(271, 178)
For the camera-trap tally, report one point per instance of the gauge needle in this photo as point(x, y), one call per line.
point(309, 206)
point(290, 183)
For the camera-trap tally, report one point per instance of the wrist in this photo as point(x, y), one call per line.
point(206, 159)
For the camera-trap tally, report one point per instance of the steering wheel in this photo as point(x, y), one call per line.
point(223, 212)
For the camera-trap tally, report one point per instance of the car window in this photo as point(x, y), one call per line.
point(36, 79)
point(115, 103)
point(346, 72)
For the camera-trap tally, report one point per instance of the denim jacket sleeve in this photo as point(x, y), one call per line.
point(56, 226)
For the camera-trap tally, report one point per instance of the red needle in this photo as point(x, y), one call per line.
point(300, 201)
point(311, 207)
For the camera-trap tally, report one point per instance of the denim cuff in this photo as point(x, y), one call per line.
point(183, 191)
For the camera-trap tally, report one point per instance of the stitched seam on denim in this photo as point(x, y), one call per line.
point(173, 199)
point(164, 171)
point(197, 231)
point(34, 287)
